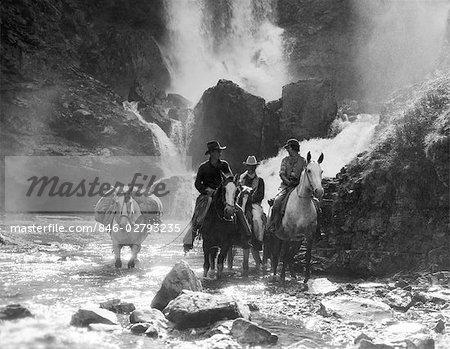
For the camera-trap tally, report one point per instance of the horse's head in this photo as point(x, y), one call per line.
point(229, 191)
point(313, 173)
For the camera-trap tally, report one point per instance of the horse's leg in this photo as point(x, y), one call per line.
point(246, 254)
point(206, 265)
point(221, 258)
point(257, 259)
point(134, 251)
point(309, 243)
point(230, 257)
point(285, 259)
point(266, 254)
point(293, 249)
point(116, 249)
point(275, 251)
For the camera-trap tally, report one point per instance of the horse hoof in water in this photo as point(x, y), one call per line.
point(118, 263)
point(131, 264)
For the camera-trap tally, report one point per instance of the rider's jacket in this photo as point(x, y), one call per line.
point(257, 184)
point(209, 175)
point(292, 167)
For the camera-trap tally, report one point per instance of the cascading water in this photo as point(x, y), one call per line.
point(171, 158)
point(354, 138)
point(224, 39)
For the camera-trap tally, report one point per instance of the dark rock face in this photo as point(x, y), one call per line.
point(13, 312)
point(389, 208)
point(308, 109)
point(181, 277)
point(197, 309)
point(232, 116)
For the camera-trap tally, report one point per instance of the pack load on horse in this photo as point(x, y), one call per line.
point(128, 216)
point(216, 208)
point(294, 211)
point(251, 193)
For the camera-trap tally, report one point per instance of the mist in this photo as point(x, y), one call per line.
point(403, 42)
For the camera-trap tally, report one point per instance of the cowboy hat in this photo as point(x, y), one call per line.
point(214, 145)
point(251, 161)
point(291, 142)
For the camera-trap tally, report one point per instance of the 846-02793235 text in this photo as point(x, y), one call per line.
point(90, 228)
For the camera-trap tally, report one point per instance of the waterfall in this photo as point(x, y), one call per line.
point(236, 40)
point(354, 138)
point(172, 161)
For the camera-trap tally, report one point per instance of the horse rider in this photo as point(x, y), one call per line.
point(209, 177)
point(290, 171)
point(253, 185)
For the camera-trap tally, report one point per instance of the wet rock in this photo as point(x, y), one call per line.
point(218, 341)
point(222, 327)
point(253, 306)
point(196, 309)
point(13, 312)
point(181, 277)
point(90, 315)
point(403, 285)
point(322, 286)
point(396, 333)
point(309, 108)
point(151, 329)
point(366, 344)
point(399, 299)
point(147, 315)
point(248, 332)
point(117, 306)
point(361, 337)
point(420, 342)
point(440, 326)
point(104, 327)
point(356, 309)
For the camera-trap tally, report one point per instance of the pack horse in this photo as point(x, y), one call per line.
point(128, 217)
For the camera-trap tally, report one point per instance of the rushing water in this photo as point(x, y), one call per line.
point(55, 274)
point(224, 39)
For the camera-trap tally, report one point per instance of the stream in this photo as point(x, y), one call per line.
point(54, 274)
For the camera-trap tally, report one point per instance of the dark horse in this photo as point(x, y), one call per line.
point(220, 229)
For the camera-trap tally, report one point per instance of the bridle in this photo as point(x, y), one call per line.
point(232, 206)
point(310, 185)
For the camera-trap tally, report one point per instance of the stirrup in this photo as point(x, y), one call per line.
point(270, 202)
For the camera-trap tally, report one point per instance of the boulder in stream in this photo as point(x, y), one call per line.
point(248, 332)
point(13, 312)
point(399, 299)
point(356, 309)
point(181, 277)
point(152, 322)
point(322, 286)
point(197, 309)
point(117, 306)
point(91, 315)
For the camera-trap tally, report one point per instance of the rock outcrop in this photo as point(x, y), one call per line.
point(389, 210)
point(181, 277)
point(308, 109)
point(232, 116)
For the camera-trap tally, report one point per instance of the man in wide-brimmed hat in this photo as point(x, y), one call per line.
point(253, 186)
point(209, 177)
point(290, 171)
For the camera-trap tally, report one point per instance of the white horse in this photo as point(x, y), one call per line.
point(300, 219)
point(130, 218)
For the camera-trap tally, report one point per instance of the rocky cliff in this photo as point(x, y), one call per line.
point(390, 206)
